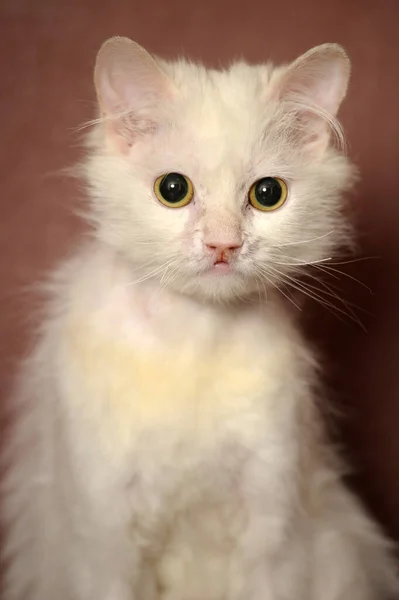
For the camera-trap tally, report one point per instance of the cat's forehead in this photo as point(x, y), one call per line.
point(221, 112)
point(213, 98)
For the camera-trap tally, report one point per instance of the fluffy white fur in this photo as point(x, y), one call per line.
point(168, 444)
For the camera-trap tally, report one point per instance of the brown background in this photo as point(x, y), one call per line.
point(47, 51)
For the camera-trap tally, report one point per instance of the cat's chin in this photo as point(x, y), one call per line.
point(219, 284)
point(220, 268)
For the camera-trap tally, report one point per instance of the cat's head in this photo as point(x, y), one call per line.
point(218, 183)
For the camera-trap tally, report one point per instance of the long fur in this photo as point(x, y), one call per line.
point(168, 444)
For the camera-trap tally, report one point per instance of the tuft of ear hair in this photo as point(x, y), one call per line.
point(313, 87)
point(131, 88)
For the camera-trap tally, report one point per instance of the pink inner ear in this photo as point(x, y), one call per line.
point(125, 129)
point(313, 88)
point(319, 78)
point(130, 89)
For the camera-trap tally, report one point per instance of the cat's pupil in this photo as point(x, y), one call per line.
point(268, 191)
point(173, 187)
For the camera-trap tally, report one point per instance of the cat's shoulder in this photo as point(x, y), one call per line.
point(83, 281)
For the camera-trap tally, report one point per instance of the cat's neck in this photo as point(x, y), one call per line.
point(121, 304)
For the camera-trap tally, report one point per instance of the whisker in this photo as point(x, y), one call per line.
point(355, 260)
point(266, 274)
point(151, 274)
point(315, 294)
point(147, 264)
point(328, 292)
point(320, 237)
point(329, 288)
point(170, 274)
point(302, 263)
point(327, 269)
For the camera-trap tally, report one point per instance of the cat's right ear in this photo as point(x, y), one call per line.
point(131, 90)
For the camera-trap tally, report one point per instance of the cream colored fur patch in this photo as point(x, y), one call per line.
point(190, 388)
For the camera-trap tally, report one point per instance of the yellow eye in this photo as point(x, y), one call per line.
point(174, 190)
point(268, 193)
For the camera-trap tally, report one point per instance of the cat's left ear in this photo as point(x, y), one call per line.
point(313, 87)
point(131, 89)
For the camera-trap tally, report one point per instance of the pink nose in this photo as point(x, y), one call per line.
point(222, 251)
point(221, 247)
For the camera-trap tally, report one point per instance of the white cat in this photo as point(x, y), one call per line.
point(168, 445)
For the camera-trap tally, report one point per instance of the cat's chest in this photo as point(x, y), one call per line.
point(180, 391)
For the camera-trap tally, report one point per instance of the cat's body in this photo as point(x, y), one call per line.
point(171, 447)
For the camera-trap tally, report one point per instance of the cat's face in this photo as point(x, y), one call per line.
point(218, 183)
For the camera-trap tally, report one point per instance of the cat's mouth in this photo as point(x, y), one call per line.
point(221, 266)
point(223, 258)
